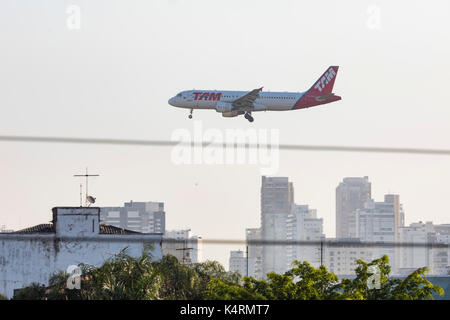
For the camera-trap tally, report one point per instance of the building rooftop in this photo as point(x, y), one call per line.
point(49, 228)
point(40, 228)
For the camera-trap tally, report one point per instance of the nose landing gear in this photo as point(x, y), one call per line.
point(249, 117)
point(190, 115)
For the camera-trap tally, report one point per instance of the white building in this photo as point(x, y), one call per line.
point(145, 217)
point(432, 250)
point(443, 237)
point(239, 263)
point(340, 255)
point(75, 236)
point(277, 195)
point(377, 223)
point(186, 248)
point(303, 225)
point(284, 221)
point(254, 251)
point(351, 194)
point(412, 257)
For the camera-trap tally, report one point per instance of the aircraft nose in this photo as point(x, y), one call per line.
point(172, 101)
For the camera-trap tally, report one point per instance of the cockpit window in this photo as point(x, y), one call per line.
point(179, 95)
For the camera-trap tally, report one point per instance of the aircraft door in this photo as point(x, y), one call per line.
point(190, 100)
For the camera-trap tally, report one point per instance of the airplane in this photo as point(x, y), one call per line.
point(235, 103)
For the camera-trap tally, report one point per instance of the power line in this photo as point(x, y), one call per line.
point(167, 143)
point(147, 238)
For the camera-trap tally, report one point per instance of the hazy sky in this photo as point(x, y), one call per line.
point(112, 79)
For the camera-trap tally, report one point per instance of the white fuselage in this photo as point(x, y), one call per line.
point(235, 103)
point(208, 99)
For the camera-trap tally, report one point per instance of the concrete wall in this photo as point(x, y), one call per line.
point(25, 259)
point(28, 258)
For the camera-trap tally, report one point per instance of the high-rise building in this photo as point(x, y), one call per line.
point(277, 195)
point(413, 257)
point(239, 263)
point(351, 194)
point(340, 255)
point(254, 251)
point(303, 225)
point(377, 223)
point(442, 257)
point(399, 215)
point(145, 217)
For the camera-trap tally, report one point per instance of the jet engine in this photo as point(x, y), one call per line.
point(232, 114)
point(224, 107)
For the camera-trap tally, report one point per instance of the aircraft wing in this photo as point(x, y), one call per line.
point(246, 101)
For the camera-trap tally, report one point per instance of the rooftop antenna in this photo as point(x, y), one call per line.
point(88, 201)
point(91, 200)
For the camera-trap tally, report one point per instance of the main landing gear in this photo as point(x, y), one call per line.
point(190, 115)
point(249, 117)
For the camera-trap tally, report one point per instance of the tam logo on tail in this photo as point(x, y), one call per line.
point(326, 78)
point(321, 92)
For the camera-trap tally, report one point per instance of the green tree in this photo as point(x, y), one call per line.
point(57, 289)
point(212, 269)
point(34, 291)
point(126, 277)
point(218, 289)
point(304, 282)
point(2, 297)
point(179, 282)
point(313, 283)
point(301, 282)
point(121, 277)
point(413, 287)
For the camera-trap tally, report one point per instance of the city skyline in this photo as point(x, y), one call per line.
point(360, 220)
point(112, 78)
point(303, 144)
point(134, 207)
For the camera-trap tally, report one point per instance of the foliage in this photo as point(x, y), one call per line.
point(179, 282)
point(312, 283)
point(2, 297)
point(127, 278)
point(220, 290)
point(304, 282)
point(121, 277)
point(58, 290)
point(34, 291)
point(413, 287)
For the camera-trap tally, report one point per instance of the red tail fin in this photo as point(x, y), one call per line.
point(325, 83)
point(321, 92)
